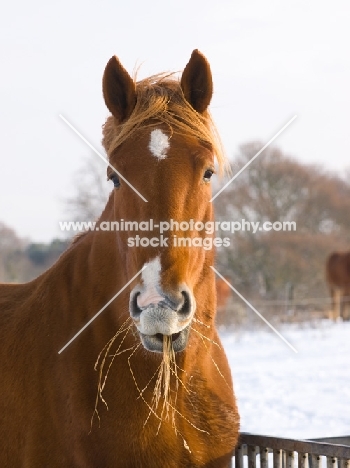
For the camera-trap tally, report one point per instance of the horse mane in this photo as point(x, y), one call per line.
point(159, 98)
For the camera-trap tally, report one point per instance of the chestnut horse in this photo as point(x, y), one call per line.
point(338, 278)
point(223, 294)
point(159, 139)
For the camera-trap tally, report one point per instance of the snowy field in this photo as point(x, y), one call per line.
point(304, 395)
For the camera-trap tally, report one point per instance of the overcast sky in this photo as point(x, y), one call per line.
point(270, 60)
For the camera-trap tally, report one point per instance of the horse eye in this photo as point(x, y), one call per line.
point(207, 175)
point(115, 179)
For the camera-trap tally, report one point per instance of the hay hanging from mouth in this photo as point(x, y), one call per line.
point(162, 391)
point(165, 391)
point(162, 388)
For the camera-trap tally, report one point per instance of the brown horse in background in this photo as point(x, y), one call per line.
point(338, 278)
point(223, 294)
point(169, 389)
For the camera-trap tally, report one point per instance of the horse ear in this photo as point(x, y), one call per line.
point(118, 90)
point(197, 83)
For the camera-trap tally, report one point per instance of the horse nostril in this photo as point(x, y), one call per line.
point(180, 304)
point(135, 310)
point(186, 306)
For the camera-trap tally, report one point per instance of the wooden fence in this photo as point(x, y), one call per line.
point(310, 310)
point(254, 451)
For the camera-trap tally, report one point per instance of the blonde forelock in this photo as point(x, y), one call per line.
point(159, 99)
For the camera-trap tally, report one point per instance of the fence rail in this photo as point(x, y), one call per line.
point(235, 313)
point(289, 453)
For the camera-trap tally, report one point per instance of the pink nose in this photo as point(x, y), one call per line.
point(154, 300)
point(148, 297)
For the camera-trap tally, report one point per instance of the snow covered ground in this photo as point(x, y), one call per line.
point(281, 393)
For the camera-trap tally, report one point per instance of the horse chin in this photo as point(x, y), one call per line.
point(154, 343)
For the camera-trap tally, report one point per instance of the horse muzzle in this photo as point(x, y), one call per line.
point(156, 314)
point(154, 343)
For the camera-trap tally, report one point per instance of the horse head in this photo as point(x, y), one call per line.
point(161, 145)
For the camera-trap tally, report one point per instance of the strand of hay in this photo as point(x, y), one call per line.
point(162, 388)
point(215, 364)
point(205, 337)
point(150, 380)
point(201, 323)
point(136, 384)
point(102, 378)
point(167, 380)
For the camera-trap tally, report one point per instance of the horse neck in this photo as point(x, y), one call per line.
point(85, 278)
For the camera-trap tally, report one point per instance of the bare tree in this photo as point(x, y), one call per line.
point(91, 191)
point(275, 187)
point(22, 260)
point(11, 247)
